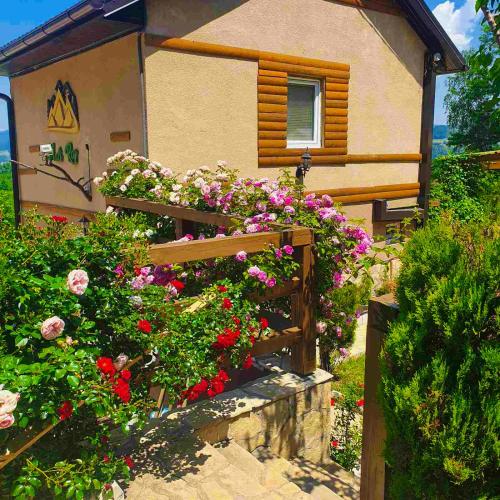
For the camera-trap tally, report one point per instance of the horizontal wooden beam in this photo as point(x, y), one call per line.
point(240, 53)
point(223, 247)
point(272, 80)
point(316, 152)
point(272, 98)
point(273, 89)
point(276, 145)
point(335, 143)
point(275, 341)
point(272, 134)
point(366, 189)
point(273, 117)
point(290, 161)
point(336, 87)
point(171, 210)
point(300, 69)
point(357, 198)
point(339, 103)
point(265, 125)
point(335, 112)
point(51, 209)
point(386, 158)
point(336, 95)
point(334, 136)
point(274, 74)
point(336, 127)
point(278, 291)
point(264, 107)
point(335, 120)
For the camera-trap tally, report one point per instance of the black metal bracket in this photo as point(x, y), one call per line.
point(381, 213)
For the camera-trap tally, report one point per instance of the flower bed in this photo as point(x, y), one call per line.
point(92, 322)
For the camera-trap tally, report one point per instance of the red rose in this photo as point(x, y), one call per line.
point(179, 285)
point(107, 486)
point(137, 271)
point(125, 375)
point(222, 288)
point(106, 366)
point(65, 411)
point(222, 375)
point(360, 403)
point(226, 339)
point(105, 459)
point(128, 461)
point(334, 443)
point(122, 390)
point(59, 218)
point(237, 321)
point(264, 323)
point(332, 402)
point(247, 364)
point(252, 339)
point(144, 325)
point(227, 304)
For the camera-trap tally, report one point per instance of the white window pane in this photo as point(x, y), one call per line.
point(301, 117)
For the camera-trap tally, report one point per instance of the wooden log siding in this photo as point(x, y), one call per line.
point(272, 93)
point(273, 90)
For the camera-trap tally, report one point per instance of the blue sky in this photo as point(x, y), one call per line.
point(19, 16)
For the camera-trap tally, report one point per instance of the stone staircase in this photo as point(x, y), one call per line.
point(188, 468)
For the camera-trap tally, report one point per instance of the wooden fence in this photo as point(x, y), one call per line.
point(381, 312)
point(300, 337)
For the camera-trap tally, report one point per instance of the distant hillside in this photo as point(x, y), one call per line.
point(440, 131)
point(440, 141)
point(4, 145)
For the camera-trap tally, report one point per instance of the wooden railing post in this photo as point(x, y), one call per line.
point(183, 227)
point(304, 353)
point(381, 312)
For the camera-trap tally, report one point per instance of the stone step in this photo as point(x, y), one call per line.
point(182, 467)
point(328, 481)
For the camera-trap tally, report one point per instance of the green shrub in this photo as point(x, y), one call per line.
point(441, 365)
point(462, 186)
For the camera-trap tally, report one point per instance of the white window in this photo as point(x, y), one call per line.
point(304, 113)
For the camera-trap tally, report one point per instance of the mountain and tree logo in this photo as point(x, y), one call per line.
point(62, 110)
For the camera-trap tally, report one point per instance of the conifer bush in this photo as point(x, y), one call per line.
point(441, 363)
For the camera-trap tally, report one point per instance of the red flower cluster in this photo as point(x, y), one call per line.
point(59, 218)
point(128, 461)
point(106, 366)
point(263, 323)
point(144, 326)
point(212, 387)
point(332, 402)
point(334, 443)
point(217, 383)
point(360, 403)
point(247, 364)
point(237, 321)
point(222, 288)
point(227, 304)
point(121, 385)
point(65, 410)
point(178, 285)
point(226, 339)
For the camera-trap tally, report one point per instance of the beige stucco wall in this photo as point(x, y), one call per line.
point(204, 108)
point(107, 85)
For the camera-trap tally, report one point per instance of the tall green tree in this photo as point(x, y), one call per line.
point(473, 99)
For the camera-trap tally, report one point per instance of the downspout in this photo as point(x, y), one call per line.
point(13, 154)
point(140, 55)
point(426, 133)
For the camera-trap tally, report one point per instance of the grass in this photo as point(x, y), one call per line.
point(349, 376)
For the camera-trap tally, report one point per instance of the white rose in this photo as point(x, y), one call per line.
point(98, 180)
point(123, 188)
point(135, 171)
point(174, 198)
point(176, 187)
point(129, 179)
point(199, 182)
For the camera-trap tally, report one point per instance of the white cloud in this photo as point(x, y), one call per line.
point(459, 22)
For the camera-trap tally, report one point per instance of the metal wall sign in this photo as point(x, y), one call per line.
point(62, 110)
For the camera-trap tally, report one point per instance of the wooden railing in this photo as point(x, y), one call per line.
point(300, 336)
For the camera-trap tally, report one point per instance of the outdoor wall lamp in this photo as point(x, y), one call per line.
point(304, 166)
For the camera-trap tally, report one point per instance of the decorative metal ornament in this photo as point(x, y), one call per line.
point(62, 110)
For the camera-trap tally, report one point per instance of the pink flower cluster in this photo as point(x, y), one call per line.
point(8, 403)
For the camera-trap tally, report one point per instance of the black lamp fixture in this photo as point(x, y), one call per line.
point(85, 224)
point(304, 166)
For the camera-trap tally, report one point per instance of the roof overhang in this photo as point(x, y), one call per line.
point(87, 24)
point(427, 27)
point(93, 22)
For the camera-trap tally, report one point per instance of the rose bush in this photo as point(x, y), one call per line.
point(88, 323)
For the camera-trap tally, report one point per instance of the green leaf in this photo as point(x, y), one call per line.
point(22, 342)
point(18, 490)
point(60, 372)
point(23, 422)
point(73, 381)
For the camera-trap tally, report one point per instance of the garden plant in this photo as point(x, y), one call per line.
point(441, 365)
point(89, 324)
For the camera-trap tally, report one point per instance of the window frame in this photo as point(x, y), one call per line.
point(317, 124)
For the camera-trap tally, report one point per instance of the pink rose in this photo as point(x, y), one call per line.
point(77, 281)
point(120, 361)
point(6, 420)
point(321, 327)
point(8, 401)
point(241, 256)
point(52, 328)
point(271, 282)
